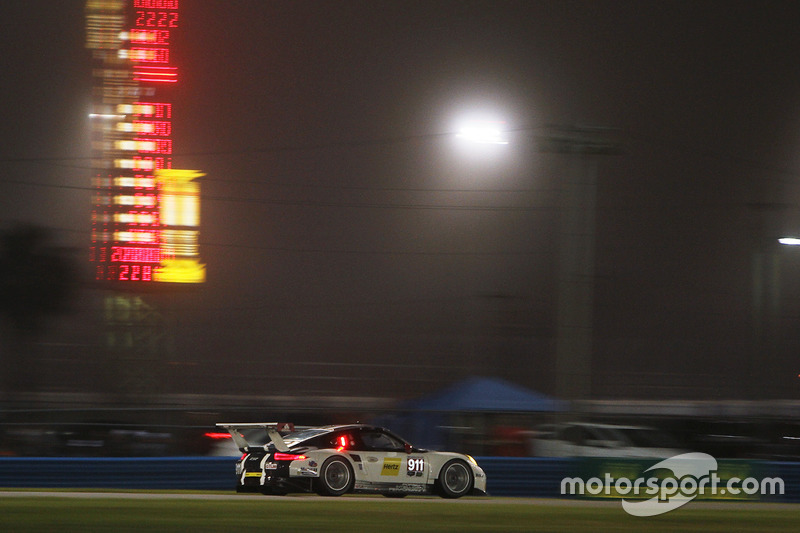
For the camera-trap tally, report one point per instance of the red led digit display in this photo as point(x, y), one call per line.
point(140, 178)
point(137, 160)
point(137, 254)
point(155, 74)
point(135, 273)
point(156, 127)
point(126, 272)
point(160, 109)
point(162, 146)
point(156, 4)
point(156, 19)
point(150, 55)
point(140, 200)
point(127, 233)
point(159, 37)
point(151, 163)
point(141, 236)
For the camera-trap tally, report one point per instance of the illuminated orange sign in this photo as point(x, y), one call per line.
point(179, 212)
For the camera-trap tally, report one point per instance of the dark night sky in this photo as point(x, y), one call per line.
point(352, 245)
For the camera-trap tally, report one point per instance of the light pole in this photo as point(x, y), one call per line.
point(576, 258)
point(576, 245)
point(761, 379)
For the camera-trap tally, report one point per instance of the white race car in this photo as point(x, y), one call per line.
point(336, 460)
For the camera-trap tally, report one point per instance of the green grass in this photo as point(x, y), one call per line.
point(54, 513)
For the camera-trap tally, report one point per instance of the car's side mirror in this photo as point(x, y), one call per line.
point(409, 448)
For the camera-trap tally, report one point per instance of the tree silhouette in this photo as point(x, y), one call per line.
point(36, 280)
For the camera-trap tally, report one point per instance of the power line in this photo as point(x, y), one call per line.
point(694, 149)
point(286, 249)
point(278, 149)
point(310, 203)
point(266, 150)
point(375, 205)
point(741, 161)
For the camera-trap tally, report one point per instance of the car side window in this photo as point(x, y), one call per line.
point(574, 435)
point(344, 441)
point(378, 441)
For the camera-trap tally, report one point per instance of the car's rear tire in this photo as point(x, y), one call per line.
point(455, 479)
point(335, 477)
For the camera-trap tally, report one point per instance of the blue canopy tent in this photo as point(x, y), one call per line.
point(486, 394)
point(427, 421)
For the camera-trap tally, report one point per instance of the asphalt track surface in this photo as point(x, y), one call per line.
point(290, 497)
point(554, 502)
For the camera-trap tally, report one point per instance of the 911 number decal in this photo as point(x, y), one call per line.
point(416, 465)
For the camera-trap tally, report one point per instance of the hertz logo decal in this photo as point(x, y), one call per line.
point(391, 466)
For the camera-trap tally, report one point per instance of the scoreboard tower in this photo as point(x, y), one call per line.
point(145, 212)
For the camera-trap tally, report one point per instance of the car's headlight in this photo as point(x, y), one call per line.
point(472, 460)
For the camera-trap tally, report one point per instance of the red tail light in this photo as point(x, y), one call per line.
point(215, 435)
point(288, 457)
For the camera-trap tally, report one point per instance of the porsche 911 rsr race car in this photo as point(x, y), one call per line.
point(335, 460)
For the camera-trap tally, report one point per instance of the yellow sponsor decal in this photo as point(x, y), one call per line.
point(252, 474)
point(391, 466)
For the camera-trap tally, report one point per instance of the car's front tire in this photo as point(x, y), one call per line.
point(455, 479)
point(335, 477)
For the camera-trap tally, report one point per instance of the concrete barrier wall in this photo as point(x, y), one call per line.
point(525, 476)
point(506, 476)
point(790, 474)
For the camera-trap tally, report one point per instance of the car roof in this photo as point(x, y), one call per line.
point(606, 426)
point(340, 427)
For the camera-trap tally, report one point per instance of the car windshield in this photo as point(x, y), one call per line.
point(296, 437)
point(605, 435)
point(647, 438)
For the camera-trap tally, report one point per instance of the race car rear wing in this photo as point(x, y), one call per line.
point(272, 428)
